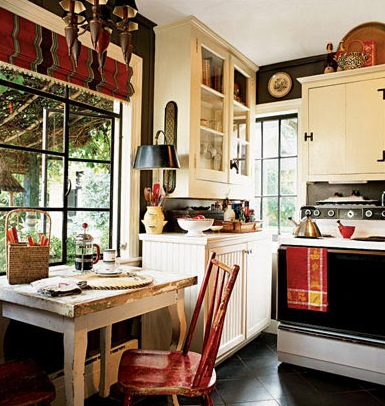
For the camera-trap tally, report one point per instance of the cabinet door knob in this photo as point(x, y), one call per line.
point(248, 251)
point(383, 157)
point(310, 137)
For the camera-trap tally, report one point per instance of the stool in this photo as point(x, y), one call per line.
point(24, 383)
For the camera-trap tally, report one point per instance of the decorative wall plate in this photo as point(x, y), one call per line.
point(279, 84)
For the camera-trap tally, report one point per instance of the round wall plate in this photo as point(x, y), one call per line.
point(280, 84)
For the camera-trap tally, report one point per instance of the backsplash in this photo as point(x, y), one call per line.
point(317, 191)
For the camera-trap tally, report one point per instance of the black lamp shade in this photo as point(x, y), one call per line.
point(156, 156)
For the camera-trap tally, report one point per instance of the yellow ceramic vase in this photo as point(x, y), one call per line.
point(153, 220)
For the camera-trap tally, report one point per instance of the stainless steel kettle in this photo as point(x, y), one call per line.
point(306, 228)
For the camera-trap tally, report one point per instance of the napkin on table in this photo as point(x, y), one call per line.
point(59, 286)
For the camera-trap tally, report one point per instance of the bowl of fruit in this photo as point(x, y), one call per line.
point(195, 225)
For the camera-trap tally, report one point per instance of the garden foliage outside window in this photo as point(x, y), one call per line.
point(57, 147)
point(275, 172)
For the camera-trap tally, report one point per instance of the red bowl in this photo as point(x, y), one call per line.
point(347, 231)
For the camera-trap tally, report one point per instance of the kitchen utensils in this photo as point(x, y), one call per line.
point(306, 228)
point(153, 196)
point(346, 231)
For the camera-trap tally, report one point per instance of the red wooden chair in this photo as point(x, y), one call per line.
point(23, 383)
point(147, 372)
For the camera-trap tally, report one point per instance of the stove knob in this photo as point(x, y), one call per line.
point(383, 213)
point(368, 213)
point(331, 213)
point(316, 213)
point(308, 212)
point(350, 214)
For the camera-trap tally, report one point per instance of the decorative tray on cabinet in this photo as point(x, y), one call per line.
point(239, 226)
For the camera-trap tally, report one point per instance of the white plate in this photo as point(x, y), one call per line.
point(108, 273)
point(279, 84)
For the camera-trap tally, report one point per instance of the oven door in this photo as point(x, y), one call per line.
point(356, 286)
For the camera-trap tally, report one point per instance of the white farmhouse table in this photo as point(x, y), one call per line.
point(76, 315)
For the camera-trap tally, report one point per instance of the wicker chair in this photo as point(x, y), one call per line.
point(187, 373)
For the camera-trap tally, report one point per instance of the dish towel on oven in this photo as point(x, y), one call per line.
point(307, 284)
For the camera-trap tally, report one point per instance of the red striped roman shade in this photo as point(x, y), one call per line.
point(31, 46)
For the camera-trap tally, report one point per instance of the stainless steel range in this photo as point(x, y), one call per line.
point(348, 338)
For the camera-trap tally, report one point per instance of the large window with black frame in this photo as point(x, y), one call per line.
point(57, 150)
point(275, 171)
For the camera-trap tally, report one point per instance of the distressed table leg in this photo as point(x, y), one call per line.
point(178, 321)
point(105, 353)
point(75, 347)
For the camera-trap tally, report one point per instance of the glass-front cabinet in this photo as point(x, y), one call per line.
point(213, 86)
point(212, 129)
point(241, 123)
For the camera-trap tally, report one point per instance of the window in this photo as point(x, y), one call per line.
point(275, 172)
point(60, 147)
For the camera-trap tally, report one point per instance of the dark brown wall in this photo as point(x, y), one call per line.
point(296, 69)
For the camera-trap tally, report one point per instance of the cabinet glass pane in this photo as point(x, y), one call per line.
point(211, 120)
point(212, 70)
point(289, 130)
point(240, 87)
point(270, 139)
point(211, 111)
point(241, 159)
point(240, 146)
point(211, 151)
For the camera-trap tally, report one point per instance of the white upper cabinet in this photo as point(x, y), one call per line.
point(213, 86)
point(343, 125)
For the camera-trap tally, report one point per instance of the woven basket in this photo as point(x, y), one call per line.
point(26, 264)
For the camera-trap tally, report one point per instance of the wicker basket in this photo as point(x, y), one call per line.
point(25, 263)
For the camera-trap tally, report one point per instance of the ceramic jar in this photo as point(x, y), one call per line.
point(153, 220)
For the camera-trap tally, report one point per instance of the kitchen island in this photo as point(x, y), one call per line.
point(249, 309)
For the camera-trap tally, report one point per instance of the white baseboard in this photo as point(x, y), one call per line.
point(92, 373)
point(272, 328)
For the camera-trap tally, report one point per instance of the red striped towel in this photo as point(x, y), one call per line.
point(307, 285)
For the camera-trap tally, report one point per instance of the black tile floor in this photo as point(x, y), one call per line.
point(254, 377)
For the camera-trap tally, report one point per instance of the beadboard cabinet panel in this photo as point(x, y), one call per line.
point(250, 305)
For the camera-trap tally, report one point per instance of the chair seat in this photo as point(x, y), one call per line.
point(23, 383)
point(149, 372)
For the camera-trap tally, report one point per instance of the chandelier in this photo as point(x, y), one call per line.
point(100, 27)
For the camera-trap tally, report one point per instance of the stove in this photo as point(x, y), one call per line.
point(344, 211)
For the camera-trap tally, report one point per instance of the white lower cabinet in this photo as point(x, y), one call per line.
point(250, 305)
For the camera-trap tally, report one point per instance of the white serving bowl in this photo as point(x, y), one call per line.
point(194, 227)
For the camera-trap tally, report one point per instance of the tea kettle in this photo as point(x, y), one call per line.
point(306, 228)
point(352, 59)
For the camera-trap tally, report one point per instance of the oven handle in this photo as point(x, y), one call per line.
point(340, 251)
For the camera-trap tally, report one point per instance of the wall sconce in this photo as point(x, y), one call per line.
point(156, 156)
